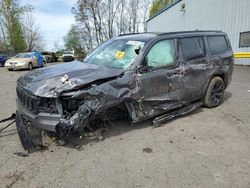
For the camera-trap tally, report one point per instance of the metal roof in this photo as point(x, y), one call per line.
point(163, 10)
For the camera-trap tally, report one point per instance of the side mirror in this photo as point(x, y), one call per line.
point(137, 50)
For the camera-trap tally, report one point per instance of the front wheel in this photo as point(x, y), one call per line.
point(215, 93)
point(30, 66)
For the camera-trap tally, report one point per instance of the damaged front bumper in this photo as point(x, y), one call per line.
point(53, 122)
point(42, 120)
point(30, 126)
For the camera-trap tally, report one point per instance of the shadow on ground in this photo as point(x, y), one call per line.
point(227, 95)
point(117, 128)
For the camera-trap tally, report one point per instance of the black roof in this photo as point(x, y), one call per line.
point(194, 32)
point(147, 36)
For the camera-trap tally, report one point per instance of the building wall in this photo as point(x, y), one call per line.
point(230, 16)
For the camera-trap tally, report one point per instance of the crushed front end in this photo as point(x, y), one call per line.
point(59, 105)
point(58, 116)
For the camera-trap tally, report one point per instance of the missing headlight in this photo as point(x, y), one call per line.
point(71, 106)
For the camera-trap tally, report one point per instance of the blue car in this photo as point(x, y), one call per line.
point(3, 58)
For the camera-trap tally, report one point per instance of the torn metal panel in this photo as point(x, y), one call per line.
point(183, 111)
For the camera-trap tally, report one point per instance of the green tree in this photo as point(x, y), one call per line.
point(11, 27)
point(74, 40)
point(158, 5)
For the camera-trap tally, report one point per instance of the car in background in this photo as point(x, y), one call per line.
point(68, 56)
point(50, 56)
point(3, 59)
point(27, 60)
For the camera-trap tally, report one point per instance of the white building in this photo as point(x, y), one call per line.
point(230, 16)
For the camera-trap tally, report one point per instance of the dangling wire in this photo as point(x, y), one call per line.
point(13, 116)
point(7, 126)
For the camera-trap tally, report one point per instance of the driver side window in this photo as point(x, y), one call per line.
point(161, 54)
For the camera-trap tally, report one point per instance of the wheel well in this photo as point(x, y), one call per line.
point(119, 111)
point(222, 76)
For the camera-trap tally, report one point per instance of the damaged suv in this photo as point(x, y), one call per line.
point(134, 76)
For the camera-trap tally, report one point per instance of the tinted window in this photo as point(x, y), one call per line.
point(161, 54)
point(192, 48)
point(245, 39)
point(217, 45)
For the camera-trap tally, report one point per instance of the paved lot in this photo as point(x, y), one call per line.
point(208, 148)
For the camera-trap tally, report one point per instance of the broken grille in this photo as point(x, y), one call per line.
point(35, 104)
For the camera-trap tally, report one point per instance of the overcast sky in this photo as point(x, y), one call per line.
point(54, 17)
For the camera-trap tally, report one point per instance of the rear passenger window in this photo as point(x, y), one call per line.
point(217, 44)
point(192, 48)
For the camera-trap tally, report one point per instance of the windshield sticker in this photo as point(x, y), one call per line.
point(134, 43)
point(119, 54)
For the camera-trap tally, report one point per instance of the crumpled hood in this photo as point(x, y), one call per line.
point(51, 81)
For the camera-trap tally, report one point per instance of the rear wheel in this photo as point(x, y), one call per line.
point(215, 93)
point(30, 66)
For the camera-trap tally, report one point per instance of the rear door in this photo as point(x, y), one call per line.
point(221, 56)
point(197, 67)
point(218, 47)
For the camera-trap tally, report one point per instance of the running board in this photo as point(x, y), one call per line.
point(183, 111)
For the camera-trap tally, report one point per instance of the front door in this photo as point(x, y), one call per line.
point(161, 83)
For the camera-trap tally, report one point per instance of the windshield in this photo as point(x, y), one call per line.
point(23, 55)
point(115, 53)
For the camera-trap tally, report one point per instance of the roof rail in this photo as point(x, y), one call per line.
point(194, 31)
point(135, 33)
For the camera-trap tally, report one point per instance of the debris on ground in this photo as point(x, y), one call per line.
point(21, 154)
point(147, 150)
point(79, 148)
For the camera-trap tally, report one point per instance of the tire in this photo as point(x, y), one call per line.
point(44, 64)
point(215, 92)
point(30, 66)
point(10, 69)
point(30, 136)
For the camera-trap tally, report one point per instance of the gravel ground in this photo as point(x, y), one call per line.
point(208, 148)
